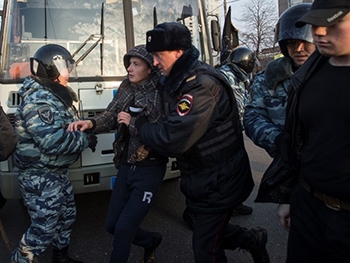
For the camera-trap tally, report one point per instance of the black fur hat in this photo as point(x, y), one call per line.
point(168, 36)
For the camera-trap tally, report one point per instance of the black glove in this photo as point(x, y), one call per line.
point(282, 142)
point(140, 121)
point(92, 142)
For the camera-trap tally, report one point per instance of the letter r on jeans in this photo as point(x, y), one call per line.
point(147, 197)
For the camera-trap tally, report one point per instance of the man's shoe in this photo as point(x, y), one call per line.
point(150, 253)
point(242, 210)
point(189, 218)
point(255, 243)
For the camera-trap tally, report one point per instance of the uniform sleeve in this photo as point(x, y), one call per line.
point(257, 122)
point(187, 121)
point(47, 126)
point(239, 91)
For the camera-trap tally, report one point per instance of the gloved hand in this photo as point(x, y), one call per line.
point(140, 121)
point(92, 142)
point(282, 143)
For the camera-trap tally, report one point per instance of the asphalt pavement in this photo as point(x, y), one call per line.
point(92, 244)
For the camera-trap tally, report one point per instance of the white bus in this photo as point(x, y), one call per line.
point(98, 33)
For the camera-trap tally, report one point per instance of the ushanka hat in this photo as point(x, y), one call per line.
point(168, 36)
point(325, 13)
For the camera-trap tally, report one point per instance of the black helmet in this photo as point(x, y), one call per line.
point(52, 60)
point(243, 57)
point(285, 27)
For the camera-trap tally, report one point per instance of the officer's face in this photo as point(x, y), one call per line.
point(164, 60)
point(299, 50)
point(63, 78)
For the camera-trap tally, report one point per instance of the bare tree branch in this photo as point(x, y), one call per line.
point(259, 18)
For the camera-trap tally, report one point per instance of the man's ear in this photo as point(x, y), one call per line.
point(178, 53)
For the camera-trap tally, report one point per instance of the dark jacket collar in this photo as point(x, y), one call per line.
point(180, 70)
point(314, 62)
point(65, 94)
point(277, 71)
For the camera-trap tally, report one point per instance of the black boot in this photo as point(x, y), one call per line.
point(242, 209)
point(255, 242)
point(150, 256)
point(61, 256)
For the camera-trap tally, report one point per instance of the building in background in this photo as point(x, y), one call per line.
point(284, 4)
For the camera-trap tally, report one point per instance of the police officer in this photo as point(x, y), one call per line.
point(203, 131)
point(237, 69)
point(44, 152)
point(265, 113)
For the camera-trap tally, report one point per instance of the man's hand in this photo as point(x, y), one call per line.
point(124, 117)
point(81, 125)
point(284, 215)
point(92, 142)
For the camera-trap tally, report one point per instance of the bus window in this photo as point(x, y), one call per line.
point(182, 11)
point(70, 24)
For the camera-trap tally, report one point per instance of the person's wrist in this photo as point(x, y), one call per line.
point(92, 124)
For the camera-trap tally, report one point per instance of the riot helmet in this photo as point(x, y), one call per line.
point(285, 28)
point(51, 61)
point(244, 58)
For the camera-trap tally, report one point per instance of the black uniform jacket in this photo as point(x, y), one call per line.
point(203, 132)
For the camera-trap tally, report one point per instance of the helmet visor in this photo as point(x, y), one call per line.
point(66, 68)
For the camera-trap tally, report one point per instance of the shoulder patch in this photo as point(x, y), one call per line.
point(184, 105)
point(46, 115)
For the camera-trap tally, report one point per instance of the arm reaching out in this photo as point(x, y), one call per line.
point(81, 125)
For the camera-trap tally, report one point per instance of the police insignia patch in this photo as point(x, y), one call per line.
point(184, 105)
point(46, 115)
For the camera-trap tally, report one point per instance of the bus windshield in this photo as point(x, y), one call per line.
point(94, 31)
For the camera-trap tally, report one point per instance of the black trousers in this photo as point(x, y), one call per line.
point(317, 233)
point(134, 191)
point(212, 234)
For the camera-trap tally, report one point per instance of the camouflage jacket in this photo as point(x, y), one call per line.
point(238, 82)
point(41, 120)
point(265, 113)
